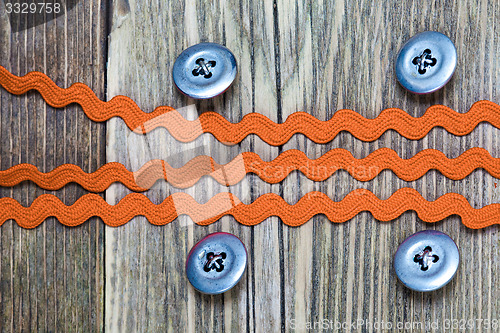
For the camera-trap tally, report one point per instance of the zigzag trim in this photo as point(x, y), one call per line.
point(254, 123)
point(319, 169)
point(265, 206)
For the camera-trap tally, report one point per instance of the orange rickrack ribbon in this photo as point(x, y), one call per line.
point(274, 171)
point(263, 207)
point(267, 205)
point(254, 123)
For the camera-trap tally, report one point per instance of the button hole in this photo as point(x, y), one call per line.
point(425, 258)
point(204, 68)
point(424, 61)
point(214, 261)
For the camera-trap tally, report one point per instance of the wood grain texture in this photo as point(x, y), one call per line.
point(316, 56)
point(52, 276)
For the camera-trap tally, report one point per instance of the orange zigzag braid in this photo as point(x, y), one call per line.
point(319, 169)
point(267, 205)
point(254, 123)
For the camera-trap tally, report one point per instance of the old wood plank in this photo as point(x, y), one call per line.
point(324, 271)
point(354, 47)
point(52, 276)
point(316, 57)
point(182, 26)
point(145, 285)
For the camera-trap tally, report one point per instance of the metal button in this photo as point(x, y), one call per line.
point(204, 70)
point(427, 260)
point(216, 263)
point(426, 62)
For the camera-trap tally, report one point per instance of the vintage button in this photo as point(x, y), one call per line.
point(427, 260)
point(426, 62)
point(204, 70)
point(216, 263)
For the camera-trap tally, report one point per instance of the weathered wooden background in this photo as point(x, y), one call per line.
point(304, 55)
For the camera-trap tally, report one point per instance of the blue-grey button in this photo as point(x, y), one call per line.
point(427, 260)
point(426, 62)
point(216, 263)
point(204, 70)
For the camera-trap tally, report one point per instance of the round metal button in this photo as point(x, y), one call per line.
point(426, 62)
point(427, 260)
point(204, 70)
point(216, 263)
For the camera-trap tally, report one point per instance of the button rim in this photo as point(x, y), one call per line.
point(401, 255)
point(192, 273)
point(179, 72)
point(405, 78)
